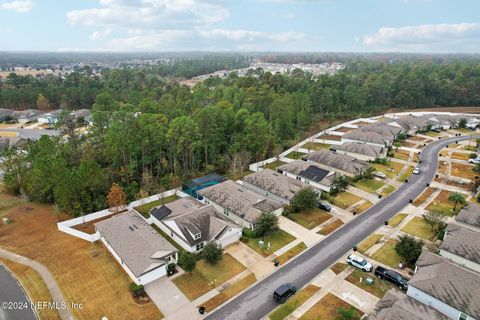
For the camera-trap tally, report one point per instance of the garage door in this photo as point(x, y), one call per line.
point(234, 237)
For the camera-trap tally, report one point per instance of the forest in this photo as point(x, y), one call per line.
point(150, 133)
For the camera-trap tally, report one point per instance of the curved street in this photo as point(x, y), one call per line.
point(256, 302)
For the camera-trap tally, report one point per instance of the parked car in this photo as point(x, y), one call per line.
point(416, 170)
point(324, 205)
point(392, 276)
point(474, 160)
point(359, 262)
point(380, 175)
point(284, 292)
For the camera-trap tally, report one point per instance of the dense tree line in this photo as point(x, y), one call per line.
point(149, 133)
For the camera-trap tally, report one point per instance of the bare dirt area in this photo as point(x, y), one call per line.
point(85, 272)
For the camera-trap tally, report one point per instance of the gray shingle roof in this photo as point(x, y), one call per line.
point(275, 183)
point(448, 282)
point(304, 169)
point(462, 242)
point(337, 161)
point(361, 148)
point(470, 214)
point(366, 136)
point(139, 246)
point(239, 200)
point(383, 129)
point(395, 305)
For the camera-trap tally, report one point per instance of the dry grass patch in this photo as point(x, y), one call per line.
point(389, 189)
point(391, 171)
point(310, 219)
point(395, 221)
point(34, 286)
point(463, 171)
point(408, 144)
point(326, 309)
point(88, 227)
point(424, 196)
point(229, 292)
point(420, 228)
point(274, 165)
point(378, 288)
point(386, 254)
point(295, 155)
point(86, 273)
point(369, 242)
point(345, 200)
point(369, 185)
point(401, 154)
point(363, 207)
point(344, 129)
point(293, 303)
point(330, 137)
point(406, 174)
point(316, 146)
point(441, 203)
point(331, 227)
point(206, 277)
point(339, 267)
point(283, 258)
point(460, 156)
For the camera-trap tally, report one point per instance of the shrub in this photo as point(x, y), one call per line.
point(472, 155)
point(137, 289)
point(212, 252)
point(187, 261)
point(409, 248)
point(305, 200)
point(266, 224)
point(247, 233)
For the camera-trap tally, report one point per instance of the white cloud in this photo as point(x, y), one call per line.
point(21, 6)
point(429, 37)
point(100, 34)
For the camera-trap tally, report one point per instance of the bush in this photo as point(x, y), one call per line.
point(247, 233)
point(383, 161)
point(137, 289)
point(266, 224)
point(409, 248)
point(171, 268)
point(305, 200)
point(472, 155)
point(212, 252)
point(187, 261)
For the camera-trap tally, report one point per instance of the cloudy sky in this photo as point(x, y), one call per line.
point(248, 25)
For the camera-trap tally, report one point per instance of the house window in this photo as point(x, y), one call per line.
point(206, 201)
point(463, 316)
point(225, 212)
point(199, 246)
point(299, 179)
point(168, 259)
point(171, 234)
point(197, 236)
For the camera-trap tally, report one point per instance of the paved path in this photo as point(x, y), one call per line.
point(11, 291)
point(257, 302)
point(47, 277)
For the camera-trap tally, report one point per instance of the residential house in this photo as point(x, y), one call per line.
point(239, 204)
point(50, 117)
point(274, 185)
point(443, 121)
point(445, 286)
point(337, 162)
point(469, 217)
point(5, 114)
point(395, 305)
point(141, 251)
point(193, 224)
point(361, 151)
point(82, 116)
point(462, 246)
point(367, 137)
point(26, 116)
point(412, 124)
point(384, 129)
point(309, 173)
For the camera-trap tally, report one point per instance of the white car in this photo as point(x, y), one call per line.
point(474, 160)
point(359, 262)
point(416, 170)
point(380, 175)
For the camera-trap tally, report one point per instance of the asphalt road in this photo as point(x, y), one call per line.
point(257, 302)
point(10, 291)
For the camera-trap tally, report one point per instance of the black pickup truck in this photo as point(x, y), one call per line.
point(392, 276)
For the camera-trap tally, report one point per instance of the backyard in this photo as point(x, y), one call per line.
point(310, 219)
point(277, 240)
point(145, 208)
point(206, 277)
point(295, 155)
point(274, 165)
point(316, 146)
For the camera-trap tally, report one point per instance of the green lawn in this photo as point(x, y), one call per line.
point(420, 228)
point(293, 303)
point(310, 219)
point(292, 253)
point(378, 288)
point(442, 204)
point(369, 242)
point(406, 174)
point(387, 255)
point(316, 146)
point(395, 221)
point(277, 240)
point(389, 189)
point(369, 185)
point(145, 208)
point(345, 200)
point(206, 276)
point(391, 171)
point(274, 165)
point(295, 155)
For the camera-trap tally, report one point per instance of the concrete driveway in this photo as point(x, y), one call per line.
point(170, 300)
point(254, 262)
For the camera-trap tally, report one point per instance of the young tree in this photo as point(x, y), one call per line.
point(457, 198)
point(409, 249)
point(42, 103)
point(116, 197)
point(305, 200)
point(340, 184)
point(345, 314)
point(397, 145)
point(187, 261)
point(435, 219)
point(266, 224)
point(212, 252)
point(462, 123)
